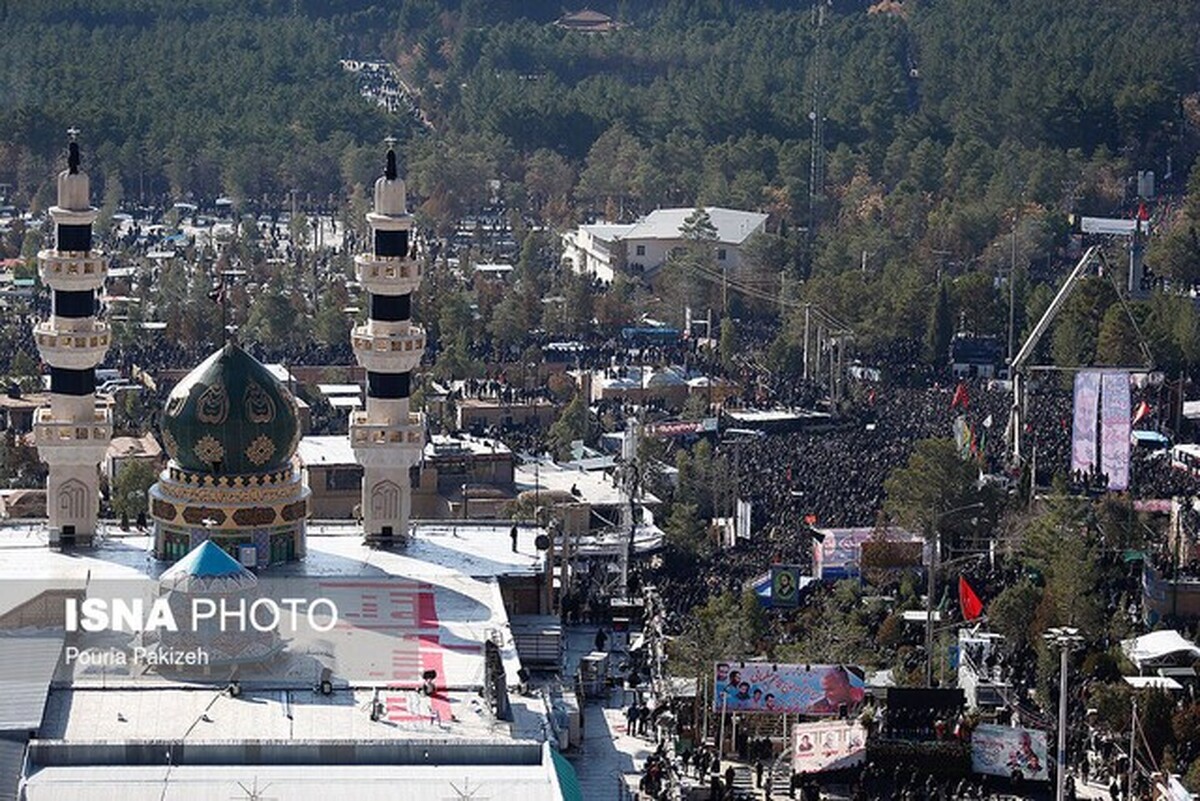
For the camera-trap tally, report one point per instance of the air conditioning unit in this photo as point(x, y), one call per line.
point(247, 556)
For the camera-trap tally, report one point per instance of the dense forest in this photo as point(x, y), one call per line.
point(958, 135)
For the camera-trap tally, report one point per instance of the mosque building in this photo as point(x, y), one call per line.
point(404, 679)
point(231, 430)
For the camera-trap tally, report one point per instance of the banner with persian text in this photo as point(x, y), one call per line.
point(816, 690)
point(1115, 429)
point(1083, 428)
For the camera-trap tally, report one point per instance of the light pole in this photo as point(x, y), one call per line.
point(1066, 640)
point(934, 557)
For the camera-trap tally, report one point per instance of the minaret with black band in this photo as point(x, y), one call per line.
point(72, 434)
point(388, 438)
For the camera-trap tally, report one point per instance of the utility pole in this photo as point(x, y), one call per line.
point(1133, 725)
point(807, 321)
point(816, 171)
point(1066, 640)
point(1012, 290)
point(931, 581)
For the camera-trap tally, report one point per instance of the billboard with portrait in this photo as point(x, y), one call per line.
point(827, 745)
point(1004, 750)
point(795, 689)
point(839, 552)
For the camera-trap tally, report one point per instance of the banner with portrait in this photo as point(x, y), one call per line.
point(785, 586)
point(794, 689)
point(1114, 429)
point(1004, 751)
point(828, 745)
point(838, 552)
point(1084, 422)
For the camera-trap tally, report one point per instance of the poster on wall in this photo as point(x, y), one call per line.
point(1004, 750)
point(795, 689)
point(827, 745)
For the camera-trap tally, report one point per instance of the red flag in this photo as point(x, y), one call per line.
point(972, 607)
point(960, 396)
point(1142, 410)
point(810, 520)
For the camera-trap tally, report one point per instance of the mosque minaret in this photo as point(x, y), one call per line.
point(72, 433)
point(388, 437)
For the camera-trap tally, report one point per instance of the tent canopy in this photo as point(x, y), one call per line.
point(1160, 648)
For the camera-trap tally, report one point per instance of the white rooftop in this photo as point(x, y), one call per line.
point(438, 548)
point(293, 782)
point(445, 444)
point(1159, 647)
point(281, 373)
point(774, 415)
point(608, 231)
point(431, 604)
point(202, 714)
point(339, 389)
point(591, 486)
point(1153, 683)
point(733, 226)
point(326, 450)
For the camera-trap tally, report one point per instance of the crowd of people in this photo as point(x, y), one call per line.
point(797, 482)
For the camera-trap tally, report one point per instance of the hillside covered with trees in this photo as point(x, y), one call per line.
point(958, 135)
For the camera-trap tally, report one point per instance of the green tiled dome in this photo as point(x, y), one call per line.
point(230, 416)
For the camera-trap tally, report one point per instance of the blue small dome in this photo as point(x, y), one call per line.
point(207, 567)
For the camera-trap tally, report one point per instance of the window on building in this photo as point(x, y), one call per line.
point(721, 254)
point(641, 250)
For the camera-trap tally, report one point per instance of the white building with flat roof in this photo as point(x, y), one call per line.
point(600, 249)
point(398, 700)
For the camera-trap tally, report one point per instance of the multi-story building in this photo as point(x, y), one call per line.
point(641, 248)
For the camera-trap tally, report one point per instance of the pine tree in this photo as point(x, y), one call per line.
point(940, 329)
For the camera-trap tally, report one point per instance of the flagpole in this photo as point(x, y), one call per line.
point(929, 590)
